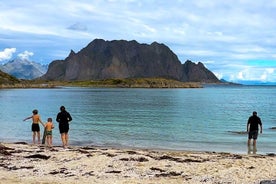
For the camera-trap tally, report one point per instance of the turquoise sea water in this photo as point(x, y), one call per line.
point(204, 119)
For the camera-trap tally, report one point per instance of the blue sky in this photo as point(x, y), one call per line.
point(235, 39)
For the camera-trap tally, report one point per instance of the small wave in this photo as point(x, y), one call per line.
point(238, 132)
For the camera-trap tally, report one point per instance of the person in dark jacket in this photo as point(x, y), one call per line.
point(253, 124)
point(63, 118)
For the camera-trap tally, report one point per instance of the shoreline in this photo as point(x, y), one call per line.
point(246, 151)
point(25, 163)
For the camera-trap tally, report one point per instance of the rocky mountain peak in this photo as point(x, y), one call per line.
point(102, 59)
point(23, 68)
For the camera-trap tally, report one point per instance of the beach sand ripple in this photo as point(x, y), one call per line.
point(24, 163)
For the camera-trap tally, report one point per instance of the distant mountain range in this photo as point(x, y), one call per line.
point(102, 59)
point(254, 82)
point(24, 69)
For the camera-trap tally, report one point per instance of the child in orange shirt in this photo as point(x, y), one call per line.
point(49, 126)
point(35, 126)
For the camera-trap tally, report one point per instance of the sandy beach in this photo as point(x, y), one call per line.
point(24, 163)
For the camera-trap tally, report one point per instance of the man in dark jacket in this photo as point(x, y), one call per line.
point(253, 124)
point(63, 118)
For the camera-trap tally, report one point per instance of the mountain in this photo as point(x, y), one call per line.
point(7, 79)
point(24, 69)
point(255, 82)
point(102, 59)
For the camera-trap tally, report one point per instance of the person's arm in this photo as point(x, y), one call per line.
point(69, 117)
point(39, 120)
point(261, 131)
point(27, 118)
point(58, 119)
point(261, 126)
point(248, 125)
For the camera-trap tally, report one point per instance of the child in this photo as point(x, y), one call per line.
point(35, 126)
point(49, 126)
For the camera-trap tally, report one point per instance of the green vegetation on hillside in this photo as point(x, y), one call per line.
point(7, 79)
point(135, 83)
point(11, 82)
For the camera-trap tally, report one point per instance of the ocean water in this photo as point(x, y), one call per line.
point(204, 119)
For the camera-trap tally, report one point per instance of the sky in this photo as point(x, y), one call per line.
point(235, 39)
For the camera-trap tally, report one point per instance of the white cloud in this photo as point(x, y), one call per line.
point(25, 55)
point(270, 70)
point(229, 33)
point(254, 74)
point(201, 52)
point(267, 74)
point(241, 74)
point(7, 54)
point(218, 75)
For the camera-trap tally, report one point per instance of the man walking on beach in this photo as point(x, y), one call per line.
point(253, 128)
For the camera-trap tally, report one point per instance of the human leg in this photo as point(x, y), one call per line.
point(255, 136)
point(254, 142)
point(249, 139)
point(66, 138)
point(34, 134)
point(248, 142)
point(62, 135)
point(47, 140)
point(51, 140)
point(252, 135)
point(254, 149)
point(38, 137)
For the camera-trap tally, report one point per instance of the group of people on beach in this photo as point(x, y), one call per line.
point(63, 118)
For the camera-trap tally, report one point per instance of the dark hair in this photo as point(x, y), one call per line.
point(50, 119)
point(35, 111)
point(254, 113)
point(62, 108)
